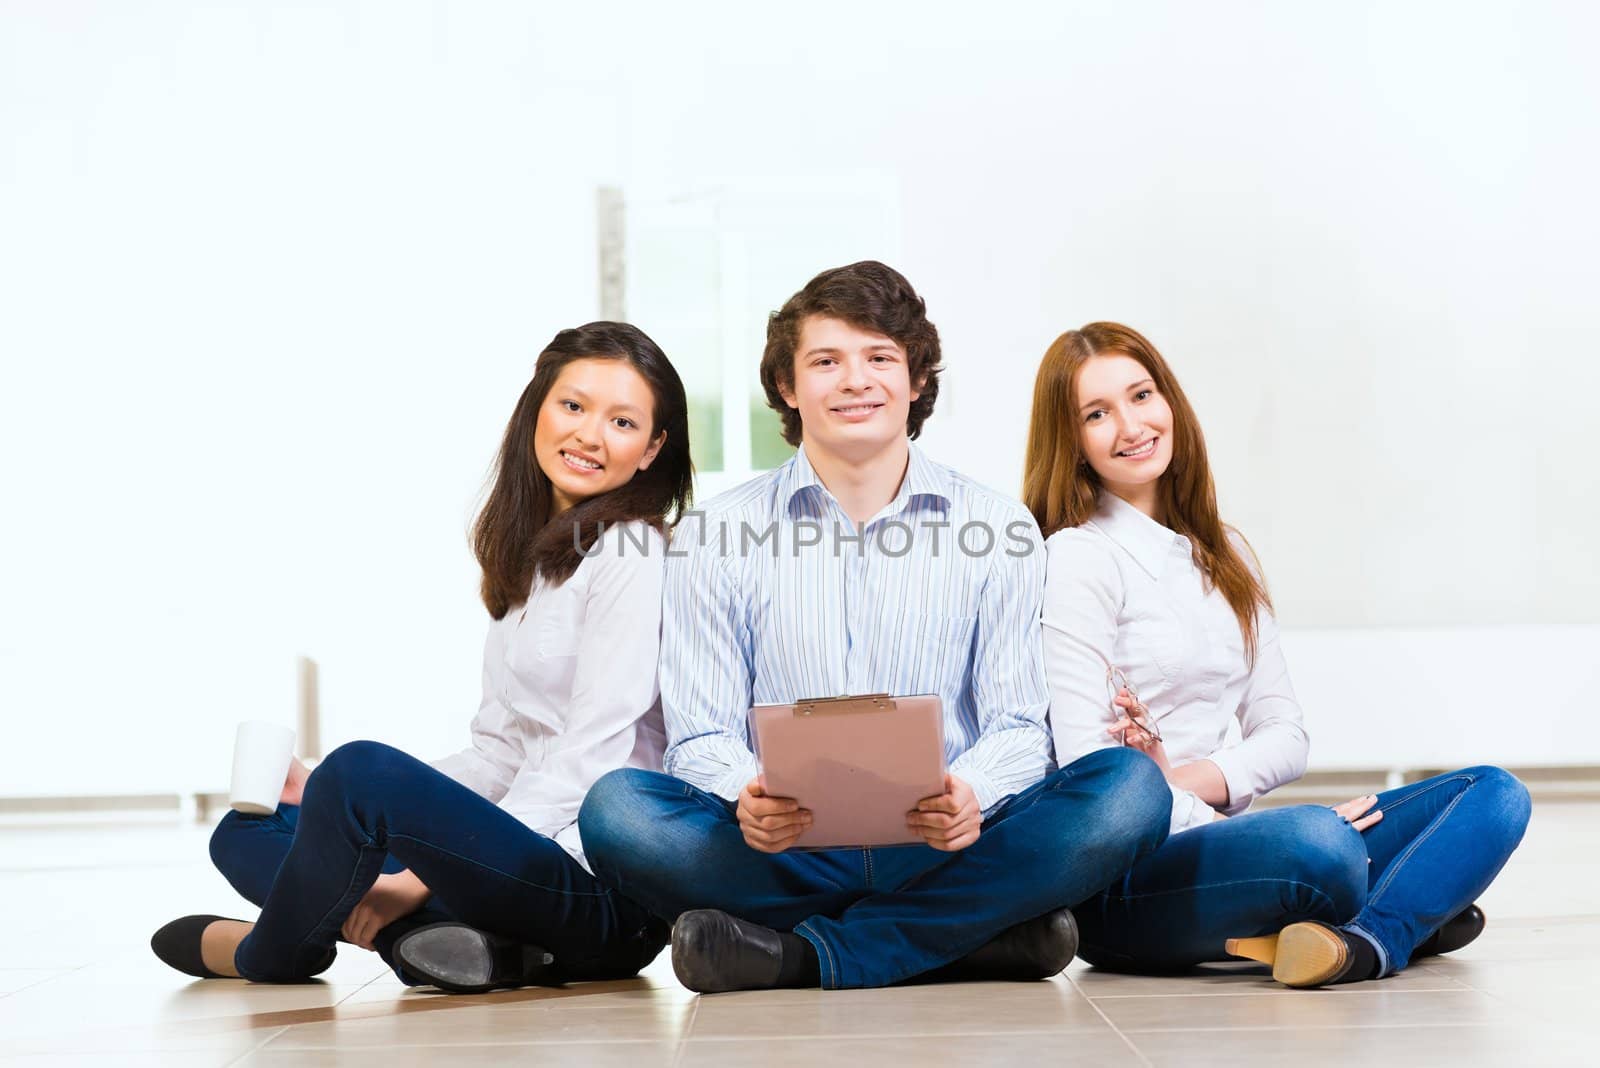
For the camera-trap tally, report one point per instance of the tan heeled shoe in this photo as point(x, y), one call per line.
point(1301, 955)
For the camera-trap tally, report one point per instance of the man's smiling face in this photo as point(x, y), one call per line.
point(852, 388)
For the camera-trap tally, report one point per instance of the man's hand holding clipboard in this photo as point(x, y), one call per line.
point(770, 824)
point(950, 821)
point(855, 771)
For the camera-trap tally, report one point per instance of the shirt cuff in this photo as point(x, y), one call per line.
point(985, 789)
point(1241, 791)
point(731, 784)
point(1188, 810)
point(471, 770)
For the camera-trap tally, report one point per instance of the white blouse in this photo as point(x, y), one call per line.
point(570, 689)
point(1123, 591)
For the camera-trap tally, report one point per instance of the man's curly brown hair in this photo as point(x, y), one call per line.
point(869, 296)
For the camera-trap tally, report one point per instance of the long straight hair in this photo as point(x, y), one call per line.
point(518, 536)
point(1061, 489)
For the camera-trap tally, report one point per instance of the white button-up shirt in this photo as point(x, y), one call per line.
point(570, 689)
point(1122, 590)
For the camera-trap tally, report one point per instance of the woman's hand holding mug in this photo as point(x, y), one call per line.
point(294, 786)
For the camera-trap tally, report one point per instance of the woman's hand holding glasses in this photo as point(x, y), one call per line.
point(1136, 729)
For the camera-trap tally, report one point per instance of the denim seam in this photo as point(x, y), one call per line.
point(866, 860)
point(1399, 862)
point(830, 967)
point(503, 874)
point(1213, 886)
point(715, 802)
point(1431, 787)
point(1061, 777)
point(348, 890)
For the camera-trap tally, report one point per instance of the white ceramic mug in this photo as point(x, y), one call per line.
point(261, 755)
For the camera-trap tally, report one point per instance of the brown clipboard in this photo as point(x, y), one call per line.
point(859, 764)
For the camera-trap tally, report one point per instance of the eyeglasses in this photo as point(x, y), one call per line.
point(1116, 681)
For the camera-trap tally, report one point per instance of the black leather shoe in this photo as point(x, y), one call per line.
point(465, 960)
point(1032, 950)
point(713, 952)
point(1454, 933)
point(178, 945)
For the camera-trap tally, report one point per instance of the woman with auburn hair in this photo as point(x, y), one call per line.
point(1158, 634)
point(469, 873)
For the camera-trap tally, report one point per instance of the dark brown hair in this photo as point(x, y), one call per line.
point(1060, 488)
point(517, 535)
point(869, 296)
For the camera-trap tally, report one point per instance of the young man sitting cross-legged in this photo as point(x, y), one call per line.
point(945, 603)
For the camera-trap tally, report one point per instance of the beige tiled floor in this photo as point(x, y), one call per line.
point(78, 985)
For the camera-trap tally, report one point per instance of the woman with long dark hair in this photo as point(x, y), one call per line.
point(1158, 634)
point(469, 873)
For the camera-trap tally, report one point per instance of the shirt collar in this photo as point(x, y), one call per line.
point(1149, 543)
point(794, 477)
point(924, 479)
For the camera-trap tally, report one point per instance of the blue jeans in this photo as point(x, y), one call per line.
point(879, 916)
point(1439, 845)
point(368, 808)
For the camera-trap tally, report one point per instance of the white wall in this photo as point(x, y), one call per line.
point(273, 278)
point(272, 275)
point(1361, 233)
point(1447, 697)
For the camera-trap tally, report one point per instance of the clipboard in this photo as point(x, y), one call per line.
point(859, 764)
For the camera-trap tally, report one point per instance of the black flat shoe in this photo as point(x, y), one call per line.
point(1027, 952)
point(464, 960)
point(1454, 933)
point(178, 945)
point(713, 952)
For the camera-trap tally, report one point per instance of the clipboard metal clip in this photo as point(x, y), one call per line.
point(833, 706)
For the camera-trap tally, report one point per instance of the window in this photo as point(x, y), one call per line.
point(704, 270)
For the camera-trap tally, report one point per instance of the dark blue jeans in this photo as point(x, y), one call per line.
point(1439, 845)
point(879, 916)
point(248, 850)
point(368, 808)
